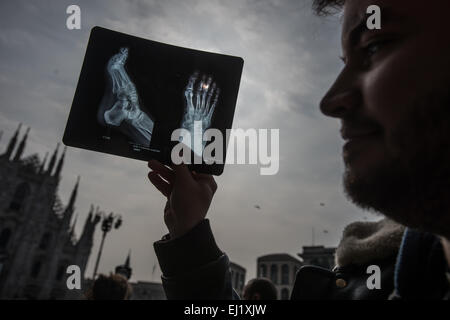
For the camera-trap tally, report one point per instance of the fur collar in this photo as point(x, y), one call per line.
point(363, 242)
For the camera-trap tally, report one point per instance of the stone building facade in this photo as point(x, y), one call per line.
point(281, 269)
point(37, 239)
point(237, 277)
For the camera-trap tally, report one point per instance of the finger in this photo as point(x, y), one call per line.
point(191, 82)
point(198, 96)
point(182, 172)
point(162, 170)
point(204, 95)
point(216, 98)
point(210, 94)
point(163, 186)
point(188, 92)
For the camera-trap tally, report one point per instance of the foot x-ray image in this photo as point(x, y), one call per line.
point(202, 95)
point(120, 105)
point(133, 93)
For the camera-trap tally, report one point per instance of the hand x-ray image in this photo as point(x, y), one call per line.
point(132, 93)
point(201, 100)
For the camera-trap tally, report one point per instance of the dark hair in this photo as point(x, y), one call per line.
point(327, 7)
point(260, 289)
point(112, 287)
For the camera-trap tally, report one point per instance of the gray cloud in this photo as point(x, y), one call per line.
point(291, 58)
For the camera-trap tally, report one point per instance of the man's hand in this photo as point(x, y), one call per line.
point(189, 195)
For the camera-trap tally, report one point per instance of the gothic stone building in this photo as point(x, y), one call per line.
point(37, 241)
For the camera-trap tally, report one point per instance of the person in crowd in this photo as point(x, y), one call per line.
point(112, 287)
point(260, 289)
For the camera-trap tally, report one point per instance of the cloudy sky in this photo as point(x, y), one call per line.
point(291, 58)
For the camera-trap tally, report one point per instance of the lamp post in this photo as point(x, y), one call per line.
point(107, 224)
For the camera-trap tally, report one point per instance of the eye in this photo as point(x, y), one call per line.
point(372, 48)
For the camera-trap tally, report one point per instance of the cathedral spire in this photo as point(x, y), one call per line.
point(88, 220)
point(53, 160)
point(73, 196)
point(127, 262)
point(41, 170)
point(125, 269)
point(68, 212)
point(87, 235)
point(60, 163)
point(12, 143)
point(72, 228)
point(91, 213)
point(21, 147)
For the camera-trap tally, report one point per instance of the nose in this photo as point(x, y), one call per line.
point(342, 99)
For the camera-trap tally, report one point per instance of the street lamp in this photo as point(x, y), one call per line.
point(107, 224)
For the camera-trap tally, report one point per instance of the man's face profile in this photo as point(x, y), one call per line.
point(393, 100)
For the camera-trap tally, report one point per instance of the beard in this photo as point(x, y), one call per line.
point(412, 184)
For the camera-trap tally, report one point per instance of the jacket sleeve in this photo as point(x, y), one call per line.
point(194, 267)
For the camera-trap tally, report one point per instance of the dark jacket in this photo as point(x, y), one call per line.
point(421, 271)
point(194, 267)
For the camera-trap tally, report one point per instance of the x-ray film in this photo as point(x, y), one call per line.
point(133, 93)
